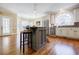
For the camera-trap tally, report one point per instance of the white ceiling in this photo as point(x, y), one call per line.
point(26, 9)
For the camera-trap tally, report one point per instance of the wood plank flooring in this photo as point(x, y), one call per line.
point(10, 45)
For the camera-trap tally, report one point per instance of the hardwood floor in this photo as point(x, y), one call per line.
point(10, 45)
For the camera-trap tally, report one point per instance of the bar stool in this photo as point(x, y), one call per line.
point(23, 40)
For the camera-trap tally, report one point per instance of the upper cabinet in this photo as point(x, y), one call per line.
point(76, 14)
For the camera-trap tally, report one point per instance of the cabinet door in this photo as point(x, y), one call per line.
point(46, 24)
point(76, 33)
point(44, 37)
point(41, 39)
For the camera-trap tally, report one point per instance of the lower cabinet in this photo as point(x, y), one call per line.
point(38, 37)
point(72, 32)
point(52, 30)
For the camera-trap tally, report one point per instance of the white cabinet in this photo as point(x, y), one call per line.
point(71, 32)
point(76, 33)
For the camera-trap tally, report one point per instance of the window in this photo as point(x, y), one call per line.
point(6, 25)
point(64, 19)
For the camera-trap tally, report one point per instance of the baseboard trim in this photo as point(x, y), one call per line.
point(8, 34)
